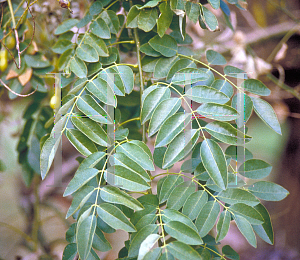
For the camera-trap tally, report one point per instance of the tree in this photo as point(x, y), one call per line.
point(109, 109)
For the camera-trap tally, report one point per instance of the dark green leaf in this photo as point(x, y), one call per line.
point(165, 18)
point(223, 86)
point(97, 43)
point(84, 145)
point(132, 17)
point(87, 53)
point(192, 11)
point(148, 50)
point(70, 252)
point(147, 19)
point(238, 153)
point(96, 8)
point(100, 243)
point(166, 185)
point(247, 212)
point(151, 3)
point(61, 46)
point(163, 66)
point(174, 215)
point(214, 162)
point(166, 45)
point(210, 19)
point(114, 217)
point(230, 253)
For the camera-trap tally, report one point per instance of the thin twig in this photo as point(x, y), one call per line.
point(20, 95)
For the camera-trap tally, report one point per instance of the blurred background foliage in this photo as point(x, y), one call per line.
point(265, 41)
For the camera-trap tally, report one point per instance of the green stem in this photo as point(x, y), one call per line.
point(11, 10)
point(132, 42)
point(18, 231)
point(130, 120)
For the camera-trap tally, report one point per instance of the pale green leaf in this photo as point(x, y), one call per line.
point(223, 225)
point(100, 243)
point(78, 67)
point(255, 86)
point(165, 18)
point(246, 229)
point(65, 26)
point(167, 184)
point(255, 169)
point(100, 28)
point(236, 195)
point(166, 45)
point(215, 58)
point(147, 244)
point(247, 212)
point(174, 215)
point(194, 204)
point(147, 19)
point(87, 53)
point(183, 251)
point(218, 112)
point(132, 17)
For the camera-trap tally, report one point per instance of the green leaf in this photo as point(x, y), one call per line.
point(126, 179)
point(255, 169)
point(153, 254)
point(213, 160)
point(165, 18)
point(174, 215)
point(121, 134)
point(100, 243)
point(166, 45)
point(70, 252)
point(244, 109)
point(66, 26)
point(80, 179)
point(218, 112)
point(146, 245)
point(138, 153)
point(215, 58)
point(84, 236)
point(167, 256)
point(185, 190)
point(148, 50)
point(180, 64)
point(147, 19)
point(151, 3)
point(255, 86)
point(180, 147)
point(50, 147)
point(115, 195)
point(209, 19)
point(61, 46)
point(132, 17)
point(91, 129)
point(183, 233)
point(223, 86)
point(139, 237)
point(151, 100)
point(189, 76)
point(113, 55)
point(114, 217)
point(226, 133)
point(214, 3)
point(112, 20)
point(192, 11)
point(265, 231)
point(171, 128)
point(183, 251)
point(97, 43)
point(246, 229)
point(91, 161)
point(83, 145)
point(64, 59)
point(36, 61)
point(87, 53)
point(162, 112)
point(124, 161)
point(223, 225)
point(145, 220)
point(234, 72)
point(78, 67)
point(207, 217)
point(247, 212)
point(101, 89)
point(194, 204)
point(268, 191)
point(235, 195)
point(100, 28)
point(266, 113)
point(230, 253)
point(238, 153)
point(88, 105)
point(163, 66)
point(80, 199)
point(166, 185)
point(204, 94)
